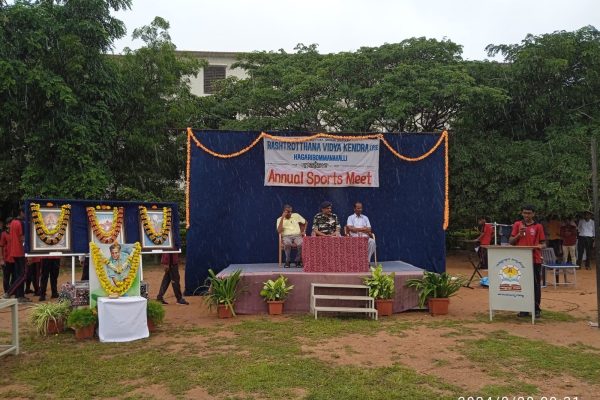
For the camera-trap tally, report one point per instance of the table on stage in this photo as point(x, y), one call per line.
point(123, 319)
point(335, 254)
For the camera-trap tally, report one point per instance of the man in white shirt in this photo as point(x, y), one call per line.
point(291, 227)
point(358, 225)
point(585, 240)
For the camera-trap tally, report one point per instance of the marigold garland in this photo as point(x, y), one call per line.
point(115, 228)
point(156, 237)
point(50, 236)
point(107, 284)
point(443, 139)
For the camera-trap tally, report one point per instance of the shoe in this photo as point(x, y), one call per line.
point(5, 296)
point(24, 300)
point(183, 301)
point(43, 298)
point(54, 296)
point(299, 264)
point(538, 314)
point(524, 314)
point(28, 291)
point(162, 301)
point(286, 265)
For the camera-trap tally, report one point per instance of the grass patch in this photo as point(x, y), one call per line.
point(507, 353)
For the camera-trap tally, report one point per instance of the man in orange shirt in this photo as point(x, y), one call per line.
point(17, 252)
point(8, 265)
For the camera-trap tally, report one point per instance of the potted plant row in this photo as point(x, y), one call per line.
point(381, 288)
point(83, 321)
point(275, 292)
point(222, 292)
point(436, 289)
point(49, 318)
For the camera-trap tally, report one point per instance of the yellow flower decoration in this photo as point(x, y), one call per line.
point(162, 235)
point(100, 261)
point(115, 228)
point(54, 235)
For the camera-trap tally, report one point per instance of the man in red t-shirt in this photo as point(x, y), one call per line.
point(17, 252)
point(568, 235)
point(527, 232)
point(485, 239)
point(8, 265)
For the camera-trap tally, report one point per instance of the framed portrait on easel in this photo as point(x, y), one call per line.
point(156, 228)
point(105, 224)
point(50, 229)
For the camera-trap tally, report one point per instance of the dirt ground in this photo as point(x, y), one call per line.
point(470, 305)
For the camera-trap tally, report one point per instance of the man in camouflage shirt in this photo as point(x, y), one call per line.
point(326, 223)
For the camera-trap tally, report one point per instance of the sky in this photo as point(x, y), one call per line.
point(336, 25)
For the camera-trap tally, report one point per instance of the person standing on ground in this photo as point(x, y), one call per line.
point(554, 235)
point(8, 264)
point(485, 239)
point(527, 232)
point(50, 269)
point(17, 252)
point(170, 262)
point(568, 235)
point(585, 241)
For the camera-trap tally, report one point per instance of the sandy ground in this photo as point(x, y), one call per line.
point(470, 306)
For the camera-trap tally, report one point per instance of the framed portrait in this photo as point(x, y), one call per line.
point(151, 230)
point(49, 218)
point(104, 220)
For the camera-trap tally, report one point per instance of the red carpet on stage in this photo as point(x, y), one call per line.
point(254, 275)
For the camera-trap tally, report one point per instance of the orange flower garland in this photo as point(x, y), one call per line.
point(163, 234)
point(50, 236)
point(115, 227)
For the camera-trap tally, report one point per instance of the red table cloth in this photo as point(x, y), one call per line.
point(335, 254)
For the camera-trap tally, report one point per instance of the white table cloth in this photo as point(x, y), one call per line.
point(123, 319)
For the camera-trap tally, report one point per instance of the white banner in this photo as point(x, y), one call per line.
point(322, 162)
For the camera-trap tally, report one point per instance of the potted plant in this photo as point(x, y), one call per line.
point(275, 292)
point(155, 312)
point(49, 318)
point(83, 321)
point(381, 288)
point(436, 290)
point(222, 292)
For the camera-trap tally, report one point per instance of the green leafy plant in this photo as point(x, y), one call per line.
point(82, 317)
point(222, 290)
point(276, 290)
point(155, 312)
point(43, 313)
point(381, 285)
point(437, 286)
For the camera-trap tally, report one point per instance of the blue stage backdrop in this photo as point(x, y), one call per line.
point(79, 220)
point(232, 213)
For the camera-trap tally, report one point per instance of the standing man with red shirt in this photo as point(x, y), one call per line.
point(485, 239)
point(529, 233)
point(17, 252)
point(8, 266)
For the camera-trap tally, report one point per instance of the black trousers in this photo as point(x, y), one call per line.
point(8, 276)
point(17, 287)
point(537, 285)
point(171, 276)
point(584, 243)
point(33, 276)
point(50, 269)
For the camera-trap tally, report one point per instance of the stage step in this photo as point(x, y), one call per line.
point(369, 301)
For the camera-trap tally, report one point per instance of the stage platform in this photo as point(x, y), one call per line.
point(253, 276)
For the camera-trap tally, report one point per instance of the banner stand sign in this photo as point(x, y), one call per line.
point(510, 272)
point(322, 163)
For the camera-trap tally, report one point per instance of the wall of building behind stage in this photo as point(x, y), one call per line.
point(232, 213)
point(80, 239)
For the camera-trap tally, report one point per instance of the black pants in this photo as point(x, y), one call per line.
point(8, 276)
point(584, 243)
point(17, 287)
point(171, 276)
point(85, 270)
point(556, 244)
point(33, 276)
point(537, 285)
point(50, 268)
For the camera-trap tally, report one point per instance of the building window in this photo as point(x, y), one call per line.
point(212, 73)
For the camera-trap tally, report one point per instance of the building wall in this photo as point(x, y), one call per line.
point(214, 58)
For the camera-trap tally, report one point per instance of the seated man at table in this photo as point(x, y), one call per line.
point(291, 227)
point(326, 223)
point(358, 225)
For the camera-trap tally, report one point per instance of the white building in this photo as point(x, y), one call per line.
point(219, 67)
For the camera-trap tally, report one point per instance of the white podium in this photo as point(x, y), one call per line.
point(123, 319)
point(510, 273)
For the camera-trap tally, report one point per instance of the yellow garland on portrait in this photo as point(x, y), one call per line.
point(50, 236)
point(100, 262)
point(163, 234)
point(115, 228)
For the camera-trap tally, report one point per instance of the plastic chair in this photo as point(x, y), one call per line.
point(294, 246)
point(549, 262)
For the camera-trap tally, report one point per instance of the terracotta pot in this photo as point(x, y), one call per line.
point(275, 307)
point(87, 332)
point(384, 307)
point(223, 311)
point(55, 326)
point(151, 326)
point(438, 306)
